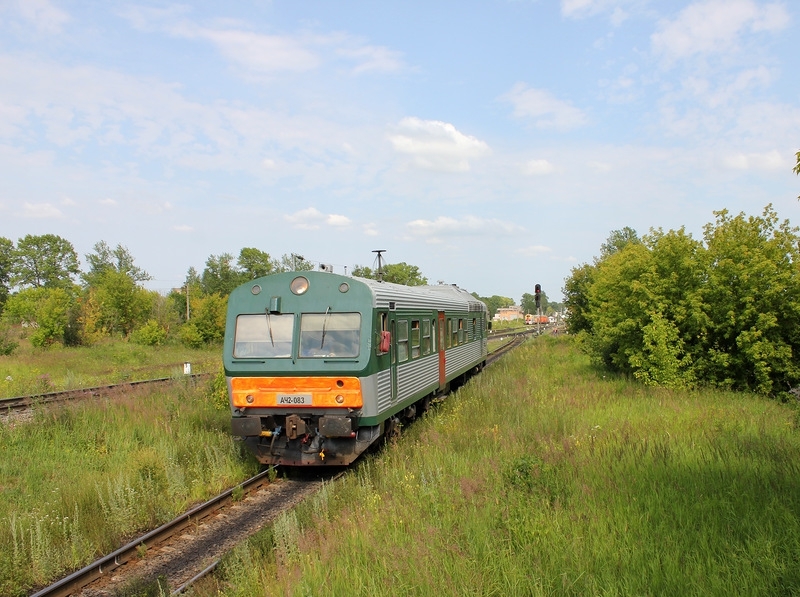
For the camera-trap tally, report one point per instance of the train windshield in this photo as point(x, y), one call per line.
point(264, 336)
point(330, 335)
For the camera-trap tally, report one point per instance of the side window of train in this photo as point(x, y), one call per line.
point(473, 332)
point(426, 336)
point(461, 331)
point(449, 333)
point(454, 332)
point(415, 338)
point(402, 340)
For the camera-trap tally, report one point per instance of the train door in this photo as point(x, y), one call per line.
point(440, 348)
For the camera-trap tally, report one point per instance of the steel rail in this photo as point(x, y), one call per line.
point(25, 402)
point(76, 581)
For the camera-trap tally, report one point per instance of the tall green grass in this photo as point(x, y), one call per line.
point(31, 370)
point(78, 481)
point(544, 477)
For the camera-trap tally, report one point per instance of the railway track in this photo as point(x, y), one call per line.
point(190, 546)
point(22, 403)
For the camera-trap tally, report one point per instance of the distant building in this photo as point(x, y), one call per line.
point(508, 313)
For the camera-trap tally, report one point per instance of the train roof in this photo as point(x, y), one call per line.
point(447, 296)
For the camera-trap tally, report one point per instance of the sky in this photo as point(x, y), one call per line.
point(494, 144)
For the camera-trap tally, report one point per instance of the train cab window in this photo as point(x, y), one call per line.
point(426, 336)
point(402, 340)
point(326, 335)
point(263, 335)
point(415, 338)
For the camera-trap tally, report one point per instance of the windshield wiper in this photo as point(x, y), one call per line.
point(324, 326)
point(269, 325)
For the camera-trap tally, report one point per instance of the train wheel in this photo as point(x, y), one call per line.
point(391, 429)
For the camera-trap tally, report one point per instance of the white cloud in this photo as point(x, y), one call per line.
point(311, 218)
point(443, 226)
point(337, 221)
point(715, 26)
point(537, 168)
point(533, 251)
point(257, 52)
point(108, 201)
point(771, 160)
point(436, 145)
point(42, 14)
point(183, 228)
point(545, 110)
point(373, 59)
point(40, 210)
point(579, 9)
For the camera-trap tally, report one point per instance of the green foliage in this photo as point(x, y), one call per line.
point(220, 275)
point(207, 320)
point(119, 260)
point(44, 261)
point(123, 305)
point(254, 263)
point(51, 314)
point(674, 312)
point(396, 273)
point(150, 334)
point(494, 302)
point(6, 268)
point(218, 391)
point(7, 342)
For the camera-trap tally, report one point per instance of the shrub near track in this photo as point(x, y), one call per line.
point(543, 477)
point(78, 481)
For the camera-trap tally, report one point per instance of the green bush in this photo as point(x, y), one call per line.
point(150, 334)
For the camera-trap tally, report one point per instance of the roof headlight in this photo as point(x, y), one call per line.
point(299, 285)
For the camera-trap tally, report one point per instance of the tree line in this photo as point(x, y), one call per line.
point(44, 293)
point(675, 311)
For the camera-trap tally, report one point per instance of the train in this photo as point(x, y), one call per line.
point(321, 366)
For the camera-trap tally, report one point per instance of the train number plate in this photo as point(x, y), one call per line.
point(294, 400)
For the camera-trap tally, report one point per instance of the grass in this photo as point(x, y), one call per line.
point(544, 477)
point(30, 371)
point(78, 481)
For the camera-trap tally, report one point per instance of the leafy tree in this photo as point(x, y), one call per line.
point(752, 302)
point(677, 312)
point(52, 313)
point(6, 267)
point(44, 261)
point(396, 273)
point(292, 262)
point(494, 302)
point(118, 259)
point(221, 275)
point(123, 306)
point(528, 303)
point(254, 263)
point(617, 241)
point(207, 324)
point(576, 298)
point(796, 169)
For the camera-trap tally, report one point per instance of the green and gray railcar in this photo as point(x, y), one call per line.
point(320, 366)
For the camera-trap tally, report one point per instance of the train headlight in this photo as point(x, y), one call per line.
point(299, 285)
point(249, 399)
point(339, 399)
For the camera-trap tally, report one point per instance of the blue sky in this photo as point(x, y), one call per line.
point(495, 144)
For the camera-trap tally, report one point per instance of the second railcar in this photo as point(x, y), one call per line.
point(319, 366)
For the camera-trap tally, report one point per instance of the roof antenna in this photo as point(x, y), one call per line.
point(379, 272)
